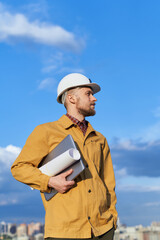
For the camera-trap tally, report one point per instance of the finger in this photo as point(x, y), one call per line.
point(70, 183)
point(67, 173)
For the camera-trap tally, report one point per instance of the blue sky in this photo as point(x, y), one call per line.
point(114, 43)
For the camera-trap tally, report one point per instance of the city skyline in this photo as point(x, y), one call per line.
point(35, 230)
point(115, 44)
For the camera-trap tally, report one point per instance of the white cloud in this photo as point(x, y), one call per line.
point(138, 188)
point(71, 69)
point(8, 199)
point(54, 61)
point(47, 83)
point(49, 68)
point(124, 144)
point(19, 26)
point(121, 173)
point(59, 63)
point(152, 204)
point(7, 156)
point(128, 183)
point(141, 144)
point(152, 133)
point(127, 144)
point(40, 7)
point(53, 67)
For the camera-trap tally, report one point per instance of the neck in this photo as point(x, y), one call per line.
point(76, 115)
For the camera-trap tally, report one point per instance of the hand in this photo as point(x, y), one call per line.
point(60, 183)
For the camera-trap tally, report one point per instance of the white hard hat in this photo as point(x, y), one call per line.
point(75, 80)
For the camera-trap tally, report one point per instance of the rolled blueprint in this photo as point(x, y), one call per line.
point(61, 162)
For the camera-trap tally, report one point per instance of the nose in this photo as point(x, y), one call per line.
point(93, 98)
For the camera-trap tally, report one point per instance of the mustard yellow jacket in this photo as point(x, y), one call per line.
point(88, 205)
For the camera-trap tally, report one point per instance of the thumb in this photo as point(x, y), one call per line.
point(67, 173)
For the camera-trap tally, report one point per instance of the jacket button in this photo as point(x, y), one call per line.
point(89, 218)
point(89, 190)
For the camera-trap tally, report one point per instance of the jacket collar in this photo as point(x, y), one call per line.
point(67, 123)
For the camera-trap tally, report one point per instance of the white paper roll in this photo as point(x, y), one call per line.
point(61, 162)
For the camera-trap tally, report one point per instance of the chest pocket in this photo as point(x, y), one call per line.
point(95, 153)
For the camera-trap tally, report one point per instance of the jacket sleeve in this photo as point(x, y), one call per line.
point(24, 169)
point(109, 180)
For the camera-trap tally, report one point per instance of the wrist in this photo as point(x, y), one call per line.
point(50, 182)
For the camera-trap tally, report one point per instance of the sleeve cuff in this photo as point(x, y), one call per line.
point(115, 223)
point(44, 184)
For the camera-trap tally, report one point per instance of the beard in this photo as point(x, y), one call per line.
point(85, 109)
point(87, 112)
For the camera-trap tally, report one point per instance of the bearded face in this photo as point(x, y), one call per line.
point(85, 102)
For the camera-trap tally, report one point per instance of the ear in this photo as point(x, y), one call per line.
point(71, 98)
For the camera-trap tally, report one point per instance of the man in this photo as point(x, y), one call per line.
point(85, 207)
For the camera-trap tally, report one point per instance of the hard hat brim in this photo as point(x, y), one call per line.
point(95, 88)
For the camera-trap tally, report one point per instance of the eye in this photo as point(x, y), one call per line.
point(89, 93)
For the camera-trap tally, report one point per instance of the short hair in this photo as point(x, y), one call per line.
point(63, 98)
point(64, 95)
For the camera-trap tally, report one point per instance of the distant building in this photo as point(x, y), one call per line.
point(12, 229)
point(3, 228)
point(21, 238)
point(129, 233)
point(35, 231)
point(152, 232)
point(138, 232)
point(22, 230)
point(35, 228)
point(39, 236)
